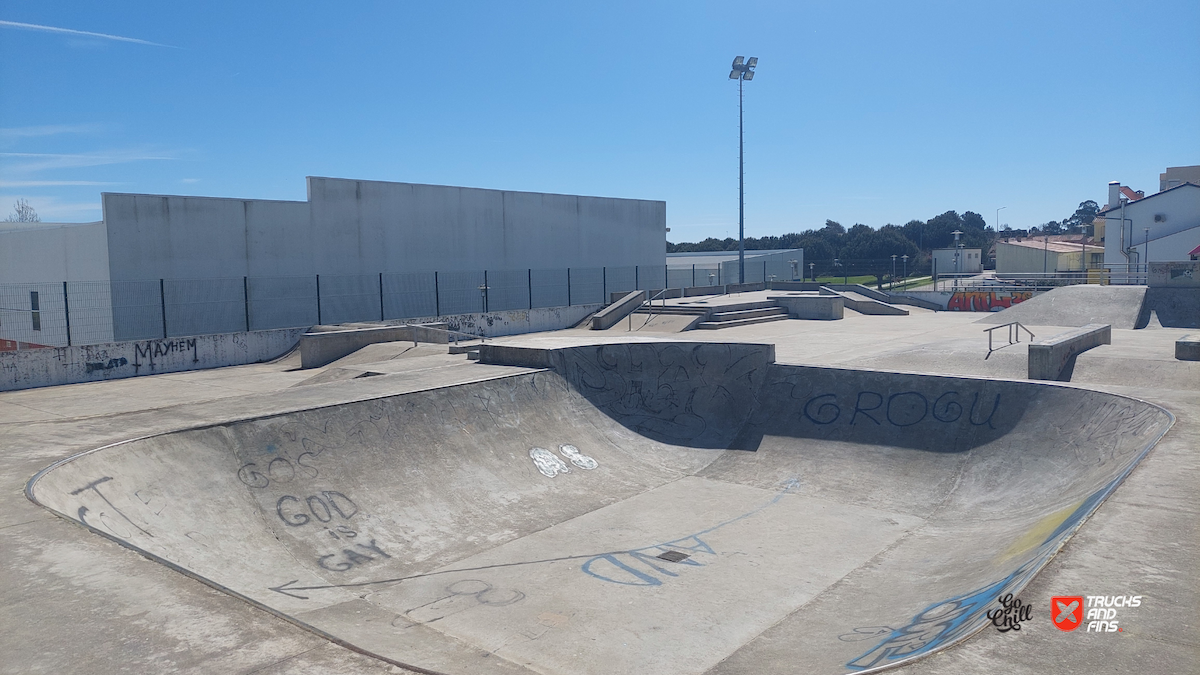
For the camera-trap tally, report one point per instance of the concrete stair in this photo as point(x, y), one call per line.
point(742, 317)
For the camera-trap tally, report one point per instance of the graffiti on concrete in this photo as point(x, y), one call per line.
point(549, 465)
point(649, 565)
point(901, 409)
point(156, 349)
point(985, 301)
point(109, 365)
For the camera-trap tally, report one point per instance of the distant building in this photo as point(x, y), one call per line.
point(1175, 176)
point(714, 268)
point(958, 260)
point(1036, 255)
point(1162, 227)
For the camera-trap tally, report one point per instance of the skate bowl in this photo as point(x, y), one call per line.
point(657, 507)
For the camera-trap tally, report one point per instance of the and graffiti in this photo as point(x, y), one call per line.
point(156, 349)
point(985, 301)
point(902, 409)
point(648, 566)
point(112, 363)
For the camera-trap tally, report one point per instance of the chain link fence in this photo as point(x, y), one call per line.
point(93, 312)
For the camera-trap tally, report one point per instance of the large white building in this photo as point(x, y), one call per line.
point(353, 250)
point(1162, 227)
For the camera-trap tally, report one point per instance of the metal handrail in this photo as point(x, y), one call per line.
point(1014, 327)
point(650, 314)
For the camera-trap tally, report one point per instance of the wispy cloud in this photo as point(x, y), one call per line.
point(9, 133)
point(28, 162)
point(50, 183)
point(53, 209)
point(80, 33)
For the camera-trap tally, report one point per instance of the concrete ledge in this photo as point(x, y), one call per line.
point(812, 306)
point(609, 316)
point(745, 288)
point(703, 290)
point(323, 347)
point(1053, 358)
point(1187, 348)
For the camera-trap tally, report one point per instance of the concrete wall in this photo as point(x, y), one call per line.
point(1175, 275)
point(162, 237)
point(69, 365)
point(351, 227)
point(1178, 211)
point(514, 322)
point(53, 252)
point(404, 227)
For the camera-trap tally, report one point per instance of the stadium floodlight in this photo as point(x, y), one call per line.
point(743, 71)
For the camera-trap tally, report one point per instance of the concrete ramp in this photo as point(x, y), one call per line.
point(1118, 306)
point(649, 507)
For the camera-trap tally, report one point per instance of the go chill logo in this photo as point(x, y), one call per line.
point(1069, 612)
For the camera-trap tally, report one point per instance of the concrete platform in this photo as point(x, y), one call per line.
point(767, 598)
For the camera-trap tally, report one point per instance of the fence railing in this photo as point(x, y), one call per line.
point(58, 314)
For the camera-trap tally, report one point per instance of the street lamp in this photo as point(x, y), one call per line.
point(795, 265)
point(742, 72)
point(905, 259)
point(998, 218)
point(893, 270)
point(812, 270)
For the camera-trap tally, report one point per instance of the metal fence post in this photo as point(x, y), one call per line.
point(637, 282)
point(162, 298)
point(603, 282)
point(67, 313)
point(693, 274)
point(381, 296)
point(246, 300)
point(485, 292)
point(568, 287)
point(437, 298)
point(318, 298)
point(764, 271)
point(529, 287)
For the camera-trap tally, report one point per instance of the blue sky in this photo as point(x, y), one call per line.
point(861, 112)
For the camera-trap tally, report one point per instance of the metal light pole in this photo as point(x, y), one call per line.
point(742, 72)
point(1146, 249)
point(905, 259)
point(812, 271)
point(893, 270)
point(998, 218)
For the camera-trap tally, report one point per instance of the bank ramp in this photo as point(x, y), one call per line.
point(1079, 305)
point(659, 507)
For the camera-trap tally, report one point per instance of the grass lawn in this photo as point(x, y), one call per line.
point(866, 279)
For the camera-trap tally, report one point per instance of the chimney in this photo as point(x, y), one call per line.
point(1114, 193)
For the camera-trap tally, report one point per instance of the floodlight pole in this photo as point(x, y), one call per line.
point(741, 193)
point(742, 71)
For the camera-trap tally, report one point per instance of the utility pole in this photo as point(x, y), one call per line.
point(742, 72)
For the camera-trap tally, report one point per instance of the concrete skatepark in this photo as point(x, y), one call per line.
point(849, 495)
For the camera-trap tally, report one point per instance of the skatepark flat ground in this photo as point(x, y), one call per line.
point(75, 602)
